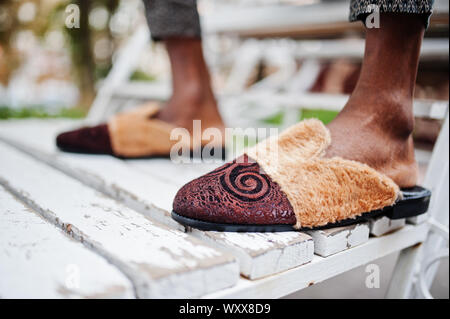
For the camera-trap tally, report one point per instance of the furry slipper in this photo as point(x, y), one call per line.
point(284, 183)
point(132, 134)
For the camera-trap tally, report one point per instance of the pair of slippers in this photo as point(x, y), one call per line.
point(283, 183)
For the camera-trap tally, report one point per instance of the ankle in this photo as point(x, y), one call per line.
point(191, 104)
point(389, 112)
point(401, 122)
point(193, 97)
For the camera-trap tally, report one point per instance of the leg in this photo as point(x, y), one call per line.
point(401, 284)
point(177, 24)
point(193, 97)
point(142, 133)
point(375, 127)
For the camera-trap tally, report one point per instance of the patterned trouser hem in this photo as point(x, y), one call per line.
point(179, 18)
point(359, 9)
point(172, 18)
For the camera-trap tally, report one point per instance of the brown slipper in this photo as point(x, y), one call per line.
point(132, 134)
point(285, 183)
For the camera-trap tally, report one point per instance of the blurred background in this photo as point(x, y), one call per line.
point(273, 63)
point(47, 68)
point(292, 46)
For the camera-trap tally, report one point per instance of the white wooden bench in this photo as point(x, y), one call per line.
point(96, 226)
point(119, 211)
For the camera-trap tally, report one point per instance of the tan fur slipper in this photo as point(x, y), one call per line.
point(285, 183)
point(132, 134)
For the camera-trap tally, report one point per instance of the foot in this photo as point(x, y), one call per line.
point(185, 107)
point(193, 97)
point(380, 139)
point(282, 188)
point(143, 131)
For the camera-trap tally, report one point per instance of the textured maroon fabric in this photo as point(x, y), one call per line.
point(93, 140)
point(235, 193)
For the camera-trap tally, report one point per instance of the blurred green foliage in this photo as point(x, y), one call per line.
point(142, 76)
point(50, 16)
point(276, 119)
point(86, 68)
point(40, 112)
point(325, 116)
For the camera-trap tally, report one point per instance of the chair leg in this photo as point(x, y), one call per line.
point(411, 259)
point(404, 273)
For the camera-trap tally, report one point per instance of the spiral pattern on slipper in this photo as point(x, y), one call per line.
point(237, 192)
point(244, 183)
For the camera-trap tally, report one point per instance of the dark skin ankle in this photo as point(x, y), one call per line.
point(375, 127)
point(193, 97)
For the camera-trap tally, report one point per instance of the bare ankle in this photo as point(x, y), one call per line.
point(389, 112)
point(191, 104)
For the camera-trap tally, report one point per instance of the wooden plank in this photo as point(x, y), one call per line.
point(383, 225)
point(331, 241)
point(275, 19)
point(39, 261)
point(144, 192)
point(172, 173)
point(263, 254)
point(161, 262)
point(321, 268)
point(111, 176)
point(284, 20)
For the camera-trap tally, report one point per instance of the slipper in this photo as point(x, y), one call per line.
point(284, 183)
point(132, 134)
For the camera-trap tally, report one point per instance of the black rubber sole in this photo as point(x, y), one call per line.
point(192, 154)
point(415, 202)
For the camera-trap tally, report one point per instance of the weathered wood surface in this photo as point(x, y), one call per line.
point(383, 225)
point(322, 268)
point(331, 241)
point(174, 174)
point(39, 261)
point(259, 255)
point(263, 254)
point(160, 262)
point(148, 187)
point(151, 197)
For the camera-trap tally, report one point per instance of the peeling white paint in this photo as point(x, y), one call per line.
point(331, 241)
point(36, 260)
point(144, 184)
point(156, 250)
point(383, 225)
